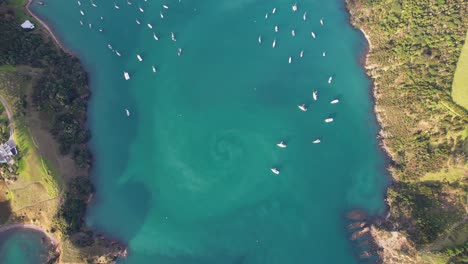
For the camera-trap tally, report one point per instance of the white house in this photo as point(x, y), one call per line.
point(27, 25)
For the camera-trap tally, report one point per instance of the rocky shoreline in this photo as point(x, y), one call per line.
point(361, 228)
point(409, 100)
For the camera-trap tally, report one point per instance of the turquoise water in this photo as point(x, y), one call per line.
point(21, 247)
point(186, 177)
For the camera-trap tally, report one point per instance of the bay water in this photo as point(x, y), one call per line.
point(21, 246)
point(185, 175)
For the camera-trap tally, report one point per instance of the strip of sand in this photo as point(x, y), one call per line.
point(54, 37)
point(6, 228)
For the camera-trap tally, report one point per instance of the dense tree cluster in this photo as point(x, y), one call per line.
point(73, 210)
point(61, 93)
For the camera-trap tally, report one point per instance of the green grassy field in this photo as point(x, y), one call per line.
point(32, 167)
point(460, 80)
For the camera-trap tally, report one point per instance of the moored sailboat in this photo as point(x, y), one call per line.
point(281, 144)
point(275, 171)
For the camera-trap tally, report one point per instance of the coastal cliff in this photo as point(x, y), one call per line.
point(414, 48)
point(47, 185)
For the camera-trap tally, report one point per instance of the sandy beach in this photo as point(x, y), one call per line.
point(6, 228)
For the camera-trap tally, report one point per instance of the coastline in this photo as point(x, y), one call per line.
point(362, 227)
point(51, 245)
point(9, 227)
point(413, 232)
point(44, 25)
point(377, 110)
point(72, 240)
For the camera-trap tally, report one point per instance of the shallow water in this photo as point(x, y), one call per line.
point(21, 247)
point(186, 177)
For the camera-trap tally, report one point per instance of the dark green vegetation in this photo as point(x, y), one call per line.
point(415, 48)
point(41, 79)
point(61, 92)
point(4, 128)
point(74, 207)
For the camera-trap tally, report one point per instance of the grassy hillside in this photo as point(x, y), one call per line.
point(414, 54)
point(460, 81)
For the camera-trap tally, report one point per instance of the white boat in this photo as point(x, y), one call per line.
point(173, 36)
point(289, 60)
point(93, 4)
point(293, 33)
point(294, 7)
point(328, 120)
point(116, 6)
point(315, 95)
point(276, 28)
point(330, 79)
point(126, 76)
point(102, 18)
point(153, 68)
point(274, 43)
point(324, 54)
point(161, 15)
point(179, 51)
point(127, 112)
point(100, 30)
point(165, 7)
point(129, 3)
point(139, 57)
point(81, 12)
point(150, 26)
point(273, 11)
point(110, 46)
point(303, 107)
point(81, 22)
point(259, 39)
point(118, 53)
point(137, 21)
point(79, 3)
point(155, 37)
point(304, 17)
point(275, 171)
point(316, 141)
point(141, 9)
point(266, 16)
point(301, 54)
point(312, 34)
point(335, 101)
point(321, 21)
point(281, 144)
point(89, 25)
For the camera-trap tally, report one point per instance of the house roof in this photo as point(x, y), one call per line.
point(27, 25)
